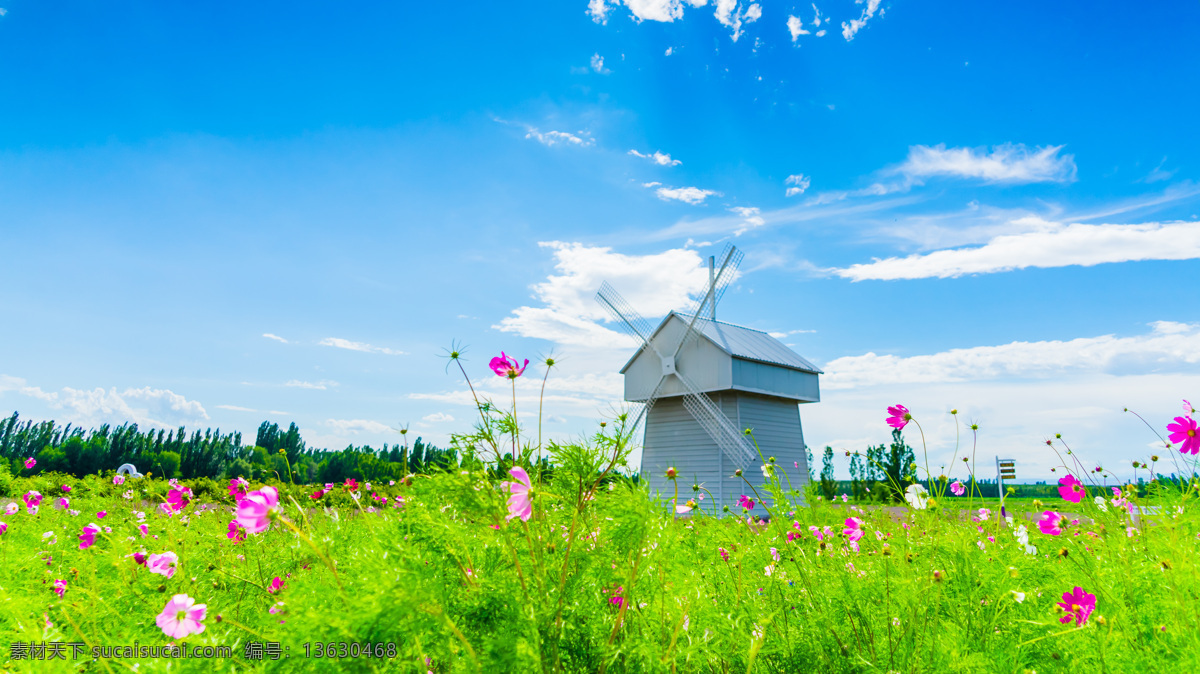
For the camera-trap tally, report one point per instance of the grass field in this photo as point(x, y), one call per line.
point(446, 575)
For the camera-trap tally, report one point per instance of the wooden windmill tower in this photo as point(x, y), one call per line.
point(701, 383)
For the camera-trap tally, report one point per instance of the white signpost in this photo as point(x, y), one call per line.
point(1006, 469)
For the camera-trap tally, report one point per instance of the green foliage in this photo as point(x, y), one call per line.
point(828, 484)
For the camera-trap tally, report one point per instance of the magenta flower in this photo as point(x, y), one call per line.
point(276, 585)
point(1078, 605)
point(66, 488)
point(32, 499)
point(617, 599)
point(520, 504)
point(317, 494)
point(62, 503)
point(744, 502)
point(163, 564)
point(140, 558)
point(237, 488)
point(900, 416)
point(1184, 430)
point(182, 617)
point(60, 587)
point(118, 479)
point(254, 513)
point(178, 498)
point(351, 484)
point(957, 488)
point(30, 463)
point(506, 366)
point(102, 514)
point(236, 533)
point(853, 528)
point(144, 529)
point(1070, 488)
point(724, 553)
point(3, 528)
point(88, 537)
point(1051, 523)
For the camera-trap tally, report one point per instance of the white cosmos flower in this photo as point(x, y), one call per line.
point(916, 496)
point(1018, 596)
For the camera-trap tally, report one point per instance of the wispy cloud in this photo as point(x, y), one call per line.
point(849, 30)
point(659, 158)
point(1008, 163)
point(236, 408)
point(689, 195)
point(318, 386)
point(1167, 346)
point(1052, 245)
point(340, 343)
point(1158, 173)
point(597, 64)
point(552, 138)
point(355, 426)
point(274, 337)
point(160, 408)
point(732, 17)
point(437, 417)
point(797, 184)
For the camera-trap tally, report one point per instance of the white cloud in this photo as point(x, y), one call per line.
point(599, 9)
point(750, 219)
point(653, 284)
point(1158, 173)
point(690, 195)
point(3, 11)
point(850, 29)
point(274, 337)
point(789, 333)
point(799, 183)
point(358, 346)
point(642, 10)
point(1008, 163)
point(236, 408)
point(437, 417)
point(1051, 245)
point(552, 138)
point(1167, 346)
point(145, 406)
point(669, 51)
point(796, 27)
point(658, 158)
point(319, 386)
point(597, 64)
point(729, 16)
point(355, 426)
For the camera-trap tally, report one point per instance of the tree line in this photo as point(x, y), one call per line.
point(178, 454)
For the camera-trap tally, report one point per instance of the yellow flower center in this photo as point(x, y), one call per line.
point(180, 615)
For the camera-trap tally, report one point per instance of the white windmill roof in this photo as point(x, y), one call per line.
point(742, 342)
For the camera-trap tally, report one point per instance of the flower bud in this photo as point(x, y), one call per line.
point(671, 473)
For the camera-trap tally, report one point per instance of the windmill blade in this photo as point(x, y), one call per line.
point(731, 259)
point(624, 314)
point(718, 426)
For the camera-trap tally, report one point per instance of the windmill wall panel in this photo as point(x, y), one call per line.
point(758, 377)
point(674, 439)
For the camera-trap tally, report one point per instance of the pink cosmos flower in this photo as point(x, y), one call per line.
point(1078, 605)
point(724, 553)
point(178, 498)
point(351, 484)
point(520, 504)
point(900, 416)
point(744, 502)
point(506, 366)
point(1187, 408)
point(182, 617)
point(236, 533)
point(102, 514)
point(617, 599)
point(853, 528)
point(60, 587)
point(255, 511)
point(957, 488)
point(1051, 523)
point(1184, 430)
point(118, 479)
point(144, 529)
point(66, 488)
point(685, 508)
point(32, 499)
point(30, 463)
point(820, 534)
point(62, 503)
point(237, 488)
point(163, 564)
point(3, 528)
point(140, 558)
point(11, 509)
point(317, 494)
point(792, 535)
point(1070, 488)
point(88, 537)
point(276, 585)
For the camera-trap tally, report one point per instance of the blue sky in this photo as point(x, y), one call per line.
point(214, 216)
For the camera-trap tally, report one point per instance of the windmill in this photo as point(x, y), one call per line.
point(701, 382)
